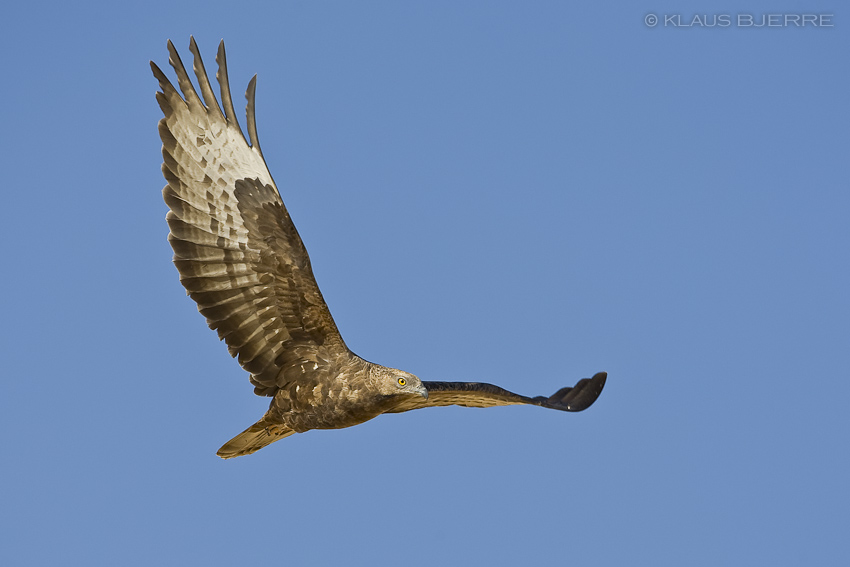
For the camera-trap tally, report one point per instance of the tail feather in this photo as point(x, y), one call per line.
point(254, 438)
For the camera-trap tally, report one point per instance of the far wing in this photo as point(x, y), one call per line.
point(480, 395)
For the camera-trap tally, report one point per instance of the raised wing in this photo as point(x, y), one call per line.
point(479, 395)
point(238, 253)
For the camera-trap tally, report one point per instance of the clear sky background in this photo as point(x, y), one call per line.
point(522, 193)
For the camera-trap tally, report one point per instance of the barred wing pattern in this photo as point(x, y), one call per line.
point(237, 251)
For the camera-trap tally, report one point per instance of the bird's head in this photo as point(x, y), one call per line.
point(393, 382)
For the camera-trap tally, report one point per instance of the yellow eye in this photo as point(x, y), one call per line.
point(402, 381)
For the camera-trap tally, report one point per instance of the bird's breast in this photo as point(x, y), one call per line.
point(323, 405)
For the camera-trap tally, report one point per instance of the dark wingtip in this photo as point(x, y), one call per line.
point(579, 397)
point(250, 110)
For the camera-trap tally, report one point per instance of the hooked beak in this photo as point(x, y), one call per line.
point(423, 391)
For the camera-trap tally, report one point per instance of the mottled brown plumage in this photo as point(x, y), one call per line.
point(241, 259)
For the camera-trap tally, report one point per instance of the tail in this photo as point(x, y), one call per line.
point(254, 438)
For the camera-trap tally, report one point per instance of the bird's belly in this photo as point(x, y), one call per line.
point(334, 411)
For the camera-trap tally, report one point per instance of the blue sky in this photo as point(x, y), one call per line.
point(517, 193)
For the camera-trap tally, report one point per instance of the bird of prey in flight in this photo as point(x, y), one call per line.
point(242, 261)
